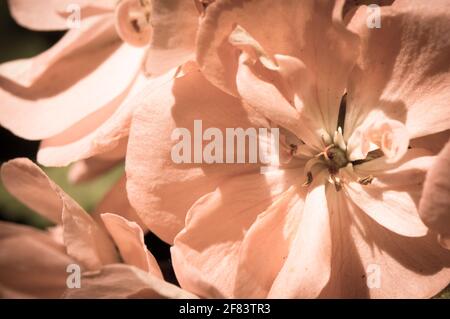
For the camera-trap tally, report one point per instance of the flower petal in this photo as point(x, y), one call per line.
point(116, 201)
point(392, 197)
point(434, 208)
point(85, 240)
point(29, 184)
point(216, 226)
point(403, 67)
point(390, 136)
point(267, 243)
point(103, 131)
point(325, 47)
point(265, 98)
point(124, 281)
point(31, 263)
point(154, 180)
point(129, 238)
point(434, 142)
point(308, 265)
point(174, 29)
point(49, 15)
point(369, 261)
point(88, 169)
point(26, 72)
point(84, 85)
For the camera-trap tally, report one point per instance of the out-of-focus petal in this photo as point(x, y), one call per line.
point(104, 131)
point(78, 84)
point(29, 184)
point(32, 265)
point(88, 169)
point(26, 72)
point(49, 15)
point(129, 239)
point(85, 241)
point(124, 281)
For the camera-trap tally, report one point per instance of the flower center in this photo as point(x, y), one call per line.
point(335, 157)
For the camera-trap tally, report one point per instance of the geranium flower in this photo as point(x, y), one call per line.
point(111, 253)
point(344, 209)
point(74, 97)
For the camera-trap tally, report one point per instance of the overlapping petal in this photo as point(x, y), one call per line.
point(403, 69)
point(160, 190)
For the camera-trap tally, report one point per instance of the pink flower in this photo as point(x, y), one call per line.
point(76, 96)
point(34, 263)
point(344, 209)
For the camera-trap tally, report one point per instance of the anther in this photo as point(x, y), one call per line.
point(309, 179)
point(365, 180)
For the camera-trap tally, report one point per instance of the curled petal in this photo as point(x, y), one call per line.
point(393, 196)
point(128, 27)
point(129, 238)
point(434, 206)
point(389, 136)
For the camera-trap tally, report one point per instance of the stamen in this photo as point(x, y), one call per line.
point(370, 156)
point(365, 180)
point(293, 149)
point(338, 139)
point(336, 181)
point(309, 179)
